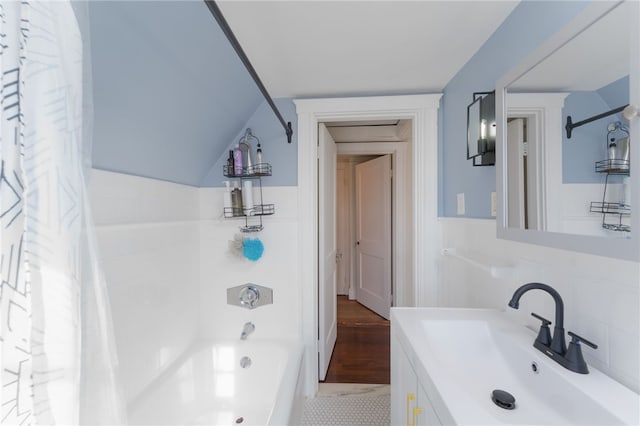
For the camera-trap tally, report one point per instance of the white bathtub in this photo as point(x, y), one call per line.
point(208, 386)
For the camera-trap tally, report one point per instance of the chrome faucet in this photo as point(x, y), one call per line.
point(555, 348)
point(247, 330)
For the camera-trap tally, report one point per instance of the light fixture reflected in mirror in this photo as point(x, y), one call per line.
point(630, 112)
point(481, 129)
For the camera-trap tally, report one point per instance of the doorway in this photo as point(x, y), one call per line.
point(370, 191)
point(419, 286)
point(362, 351)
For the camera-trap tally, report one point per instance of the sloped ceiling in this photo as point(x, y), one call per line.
point(170, 95)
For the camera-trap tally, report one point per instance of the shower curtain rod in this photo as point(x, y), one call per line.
point(217, 14)
point(571, 125)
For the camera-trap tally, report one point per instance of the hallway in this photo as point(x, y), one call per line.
point(361, 354)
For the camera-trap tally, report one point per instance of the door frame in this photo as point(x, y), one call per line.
point(543, 112)
point(423, 111)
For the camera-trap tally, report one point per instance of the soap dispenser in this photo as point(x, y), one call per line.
point(260, 166)
point(259, 154)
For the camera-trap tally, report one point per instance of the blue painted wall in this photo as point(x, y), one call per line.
point(616, 94)
point(282, 156)
point(168, 98)
point(530, 24)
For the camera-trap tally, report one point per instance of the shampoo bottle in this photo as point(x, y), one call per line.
point(230, 164)
point(247, 198)
point(249, 170)
point(236, 199)
point(259, 154)
point(626, 189)
point(237, 161)
point(228, 207)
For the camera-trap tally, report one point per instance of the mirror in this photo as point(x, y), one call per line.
point(569, 189)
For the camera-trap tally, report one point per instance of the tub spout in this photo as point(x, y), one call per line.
point(247, 330)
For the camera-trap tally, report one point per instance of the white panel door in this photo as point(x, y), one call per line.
point(327, 296)
point(515, 173)
point(373, 234)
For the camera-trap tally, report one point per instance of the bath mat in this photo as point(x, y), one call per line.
point(348, 406)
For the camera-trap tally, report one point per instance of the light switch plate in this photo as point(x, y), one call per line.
point(461, 203)
point(494, 204)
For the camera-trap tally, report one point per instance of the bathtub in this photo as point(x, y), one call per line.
point(209, 386)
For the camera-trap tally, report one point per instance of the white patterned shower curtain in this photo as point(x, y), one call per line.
point(57, 356)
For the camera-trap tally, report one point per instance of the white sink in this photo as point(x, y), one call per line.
point(462, 355)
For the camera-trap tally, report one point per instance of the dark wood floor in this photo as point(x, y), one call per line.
point(362, 349)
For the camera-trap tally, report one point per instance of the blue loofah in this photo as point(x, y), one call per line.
point(252, 249)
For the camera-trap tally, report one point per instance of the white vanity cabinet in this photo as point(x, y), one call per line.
point(410, 405)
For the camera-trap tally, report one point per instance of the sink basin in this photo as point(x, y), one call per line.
point(462, 355)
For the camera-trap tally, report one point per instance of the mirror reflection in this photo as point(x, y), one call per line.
point(577, 184)
point(481, 129)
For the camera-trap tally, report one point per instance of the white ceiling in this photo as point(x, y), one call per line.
point(321, 48)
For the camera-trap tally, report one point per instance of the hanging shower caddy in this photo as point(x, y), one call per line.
point(614, 214)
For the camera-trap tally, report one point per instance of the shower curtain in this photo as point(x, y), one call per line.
point(57, 355)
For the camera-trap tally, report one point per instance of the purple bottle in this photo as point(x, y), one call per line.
point(237, 161)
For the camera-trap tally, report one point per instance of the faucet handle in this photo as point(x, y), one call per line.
point(545, 322)
point(573, 358)
point(576, 339)
point(544, 335)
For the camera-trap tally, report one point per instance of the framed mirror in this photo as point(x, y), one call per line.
point(551, 189)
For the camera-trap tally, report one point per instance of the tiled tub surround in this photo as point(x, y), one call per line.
point(148, 242)
point(276, 269)
point(601, 295)
point(164, 252)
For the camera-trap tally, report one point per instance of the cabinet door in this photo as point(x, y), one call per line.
point(427, 416)
point(410, 405)
point(404, 385)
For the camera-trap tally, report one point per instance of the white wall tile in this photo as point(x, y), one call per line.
point(166, 258)
point(120, 199)
point(164, 251)
point(148, 244)
point(625, 362)
point(277, 269)
point(624, 305)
